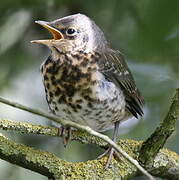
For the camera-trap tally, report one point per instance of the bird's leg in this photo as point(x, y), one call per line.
point(110, 151)
point(65, 133)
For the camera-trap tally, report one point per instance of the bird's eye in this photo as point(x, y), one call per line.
point(71, 32)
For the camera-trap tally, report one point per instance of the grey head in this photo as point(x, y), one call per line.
point(74, 33)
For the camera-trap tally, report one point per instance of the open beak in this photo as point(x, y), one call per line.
point(57, 35)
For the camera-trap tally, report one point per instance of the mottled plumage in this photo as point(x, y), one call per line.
point(85, 80)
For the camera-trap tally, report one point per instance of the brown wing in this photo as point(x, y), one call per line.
point(115, 69)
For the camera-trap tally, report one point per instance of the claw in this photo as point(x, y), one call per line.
point(104, 154)
point(65, 133)
point(110, 152)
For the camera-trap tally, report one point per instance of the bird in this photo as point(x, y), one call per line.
point(87, 81)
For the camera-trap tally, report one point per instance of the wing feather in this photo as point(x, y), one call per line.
point(115, 69)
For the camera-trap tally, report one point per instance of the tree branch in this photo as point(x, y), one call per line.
point(53, 167)
point(163, 163)
point(28, 128)
point(156, 141)
point(82, 128)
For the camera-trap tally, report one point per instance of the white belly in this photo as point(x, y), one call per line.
point(100, 115)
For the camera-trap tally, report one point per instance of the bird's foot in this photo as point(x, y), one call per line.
point(65, 133)
point(110, 152)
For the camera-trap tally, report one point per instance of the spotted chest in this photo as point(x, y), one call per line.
point(76, 90)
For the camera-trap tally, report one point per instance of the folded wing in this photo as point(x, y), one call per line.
point(115, 69)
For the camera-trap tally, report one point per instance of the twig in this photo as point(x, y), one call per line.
point(81, 127)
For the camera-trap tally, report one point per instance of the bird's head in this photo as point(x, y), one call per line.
point(73, 33)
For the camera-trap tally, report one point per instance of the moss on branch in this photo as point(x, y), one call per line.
point(157, 140)
point(79, 127)
point(156, 160)
point(166, 163)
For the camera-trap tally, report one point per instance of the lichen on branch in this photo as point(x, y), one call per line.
point(156, 160)
point(53, 167)
point(157, 140)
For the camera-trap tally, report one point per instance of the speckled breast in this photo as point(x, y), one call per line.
point(77, 91)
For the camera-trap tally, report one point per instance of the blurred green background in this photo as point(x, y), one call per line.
point(146, 32)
